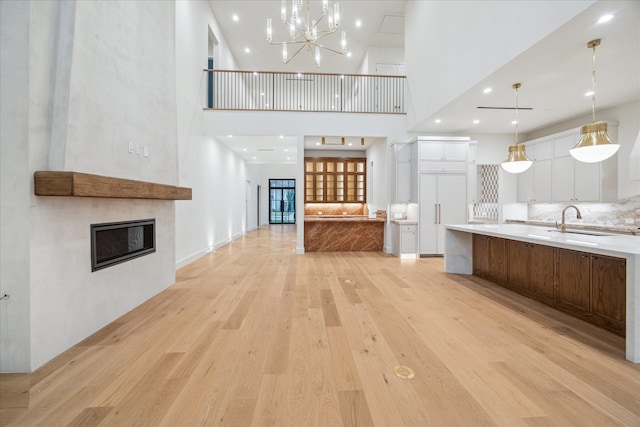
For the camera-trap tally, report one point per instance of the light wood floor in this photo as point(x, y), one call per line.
point(256, 335)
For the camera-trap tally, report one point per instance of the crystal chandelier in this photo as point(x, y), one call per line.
point(305, 32)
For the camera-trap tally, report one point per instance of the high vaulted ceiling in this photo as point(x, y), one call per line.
point(555, 73)
point(382, 25)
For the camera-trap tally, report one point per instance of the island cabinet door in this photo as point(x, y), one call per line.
point(608, 289)
point(498, 260)
point(541, 266)
point(518, 271)
point(480, 255)
point(572, 279)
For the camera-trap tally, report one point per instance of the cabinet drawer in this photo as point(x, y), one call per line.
point(408, 228)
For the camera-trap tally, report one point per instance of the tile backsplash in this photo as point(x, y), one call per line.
point(623, 214)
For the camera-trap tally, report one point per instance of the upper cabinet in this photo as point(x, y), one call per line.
point(443, 156)
point(534, 184)
point(403, 176)
point(329, 179)
point(555, 176)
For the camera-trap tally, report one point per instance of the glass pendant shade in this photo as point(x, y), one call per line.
point(594, 145)
point(517, 160)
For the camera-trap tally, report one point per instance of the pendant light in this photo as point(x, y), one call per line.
point(595, 144)
point(517, 160)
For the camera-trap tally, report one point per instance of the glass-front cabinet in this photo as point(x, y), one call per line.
point(331, 179)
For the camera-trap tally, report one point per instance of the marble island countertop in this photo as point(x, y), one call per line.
point(630, 229)
point(341, 218)
point(606, 244)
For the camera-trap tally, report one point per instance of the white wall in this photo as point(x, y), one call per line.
point(452, 45)
point(90, 91)
point(217, 176)
point(15, 348)
point(260, 175)
point(382, 55)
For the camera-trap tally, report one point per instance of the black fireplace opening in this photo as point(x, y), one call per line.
point(116, 242)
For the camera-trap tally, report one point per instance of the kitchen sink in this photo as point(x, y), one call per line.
point(585, 233)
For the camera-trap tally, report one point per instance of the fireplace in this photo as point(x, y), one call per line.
point(116, 242)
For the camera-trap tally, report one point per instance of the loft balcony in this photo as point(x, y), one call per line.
point(304, 92)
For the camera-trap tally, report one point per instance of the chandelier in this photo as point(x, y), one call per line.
point(305, 32)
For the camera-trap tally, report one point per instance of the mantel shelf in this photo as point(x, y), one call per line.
point(75, 184)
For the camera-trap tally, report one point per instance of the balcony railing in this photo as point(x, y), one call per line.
point(314, 92)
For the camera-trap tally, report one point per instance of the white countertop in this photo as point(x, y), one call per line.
point(405, 221)
point(606, 244)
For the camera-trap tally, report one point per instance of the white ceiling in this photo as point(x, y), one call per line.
point(382, 26)
point(555, 73)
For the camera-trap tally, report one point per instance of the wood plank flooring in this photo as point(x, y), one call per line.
point(255, 335)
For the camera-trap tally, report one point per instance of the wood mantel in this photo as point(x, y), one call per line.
point(75, 184)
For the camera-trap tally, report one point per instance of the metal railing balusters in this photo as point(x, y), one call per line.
point(315, 92)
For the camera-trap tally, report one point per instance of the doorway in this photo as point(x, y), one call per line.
point(282, 201)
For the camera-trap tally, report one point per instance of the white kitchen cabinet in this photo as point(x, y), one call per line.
point(405, 238)
point(403, 185)
point(555, 176)
point(443, 200)
point(574, 181)
point(534, 184)
point(443, 156)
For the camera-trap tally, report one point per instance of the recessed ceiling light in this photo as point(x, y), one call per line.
point(350, 144)
point(317, 143)
point(254, 157)
point(514, 122)
point(605, 18)
point(235, 17)
point(288, 158)
point(588, 93)
point(349, 54)
point(230, 136)
point(437, 120)
point(476, 121)
point(286, 150)
point(247, 50)
point(487, 90)
point(244, 149)
point(281, 136)
point(358, 23)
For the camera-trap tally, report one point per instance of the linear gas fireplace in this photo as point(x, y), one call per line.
point(116, 242)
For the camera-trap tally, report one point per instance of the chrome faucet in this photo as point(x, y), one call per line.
point(562, 227)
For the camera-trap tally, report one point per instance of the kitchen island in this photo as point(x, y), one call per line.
point(342, 233)
point(613, 260)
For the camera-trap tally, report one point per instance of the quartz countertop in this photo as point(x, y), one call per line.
point(405, 221)
point(625, 229)
point(606, 244)
point(341, 218)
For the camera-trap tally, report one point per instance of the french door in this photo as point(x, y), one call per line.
point(282, 201)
